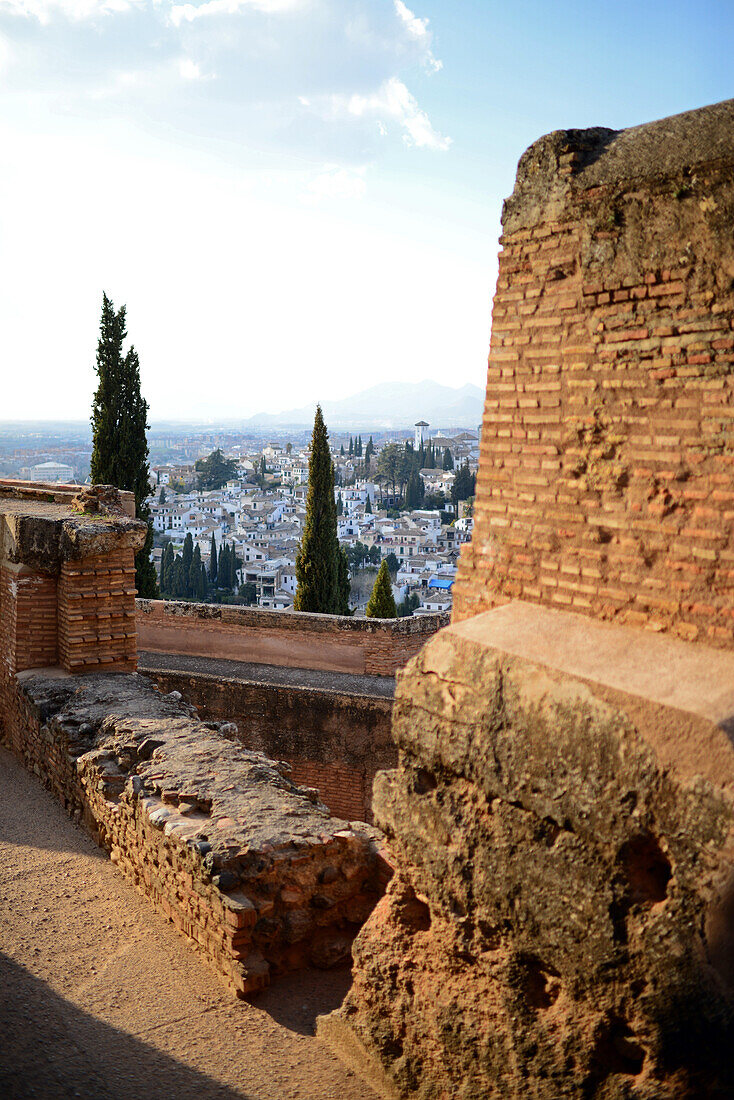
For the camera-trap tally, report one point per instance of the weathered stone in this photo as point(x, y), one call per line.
point(213, 833)
point(560, 923)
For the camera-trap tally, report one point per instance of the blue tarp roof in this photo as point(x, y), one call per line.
point(440, 582)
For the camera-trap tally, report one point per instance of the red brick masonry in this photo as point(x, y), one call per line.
point(606, 481)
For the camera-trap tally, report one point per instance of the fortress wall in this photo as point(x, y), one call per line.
point(606, 482)
point(561, 818)
point(333, 741)
point(376, 647)
point(251, 868)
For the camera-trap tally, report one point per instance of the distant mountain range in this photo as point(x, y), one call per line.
point(387, 406)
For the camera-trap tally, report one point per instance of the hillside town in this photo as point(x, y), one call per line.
point(255, 519)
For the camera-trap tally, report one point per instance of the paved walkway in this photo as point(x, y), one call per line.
point(383, 686)
point(102, 1000)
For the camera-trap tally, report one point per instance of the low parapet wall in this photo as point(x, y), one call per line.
point(248, 866)
point(333, 741)
point(376, 647)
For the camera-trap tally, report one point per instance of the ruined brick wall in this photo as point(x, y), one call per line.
point(606, 481)
point(294, 639)
point(246, 865)
point(333, 741)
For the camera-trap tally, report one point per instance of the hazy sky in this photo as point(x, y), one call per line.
point(294, 198)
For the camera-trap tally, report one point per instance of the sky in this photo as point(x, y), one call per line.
point(295, 199)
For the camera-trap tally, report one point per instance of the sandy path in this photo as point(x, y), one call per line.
point(99, 997)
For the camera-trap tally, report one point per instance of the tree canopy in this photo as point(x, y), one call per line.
point(215, 470)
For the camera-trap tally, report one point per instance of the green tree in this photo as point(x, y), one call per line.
point(464, 484)
point(186, 560)
point(213, 562)
point(339, 505)
point(448, 461)
point(368, 506)
point(318, 558)
point(414, 491)
point(194, 574)
point(381, 604)
point(408, 605)
point(214, 470)
point(248, 593)
point(392, 563)
point(167, 570)
point(162, 497)
point(119, 424)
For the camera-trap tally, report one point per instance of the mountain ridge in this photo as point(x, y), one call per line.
point(388, 405)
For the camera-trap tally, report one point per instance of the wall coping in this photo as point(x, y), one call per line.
point(263, 619)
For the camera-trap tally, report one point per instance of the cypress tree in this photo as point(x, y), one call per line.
point(351, 446)
point(186, 560)
point(213, 562)
point(203, 588)
point(194, 573)
point(317, 560)
point(368, 506)
point(167, 569)
point(119, 424)
point(448, 461)
point(381, 604)
point(339, 505)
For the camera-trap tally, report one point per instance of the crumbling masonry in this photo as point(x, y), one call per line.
point(561, 922)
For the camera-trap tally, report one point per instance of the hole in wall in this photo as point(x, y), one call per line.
point(540, 982)
point(617, 1051)
point(646, 869)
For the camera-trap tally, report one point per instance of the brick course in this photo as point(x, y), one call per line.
point(606, 480)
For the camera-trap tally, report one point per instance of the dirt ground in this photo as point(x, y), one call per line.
point(100, 998)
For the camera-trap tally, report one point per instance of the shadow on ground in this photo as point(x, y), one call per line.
point(50, 1048)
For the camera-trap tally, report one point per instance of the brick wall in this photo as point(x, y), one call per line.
point(28, 629)
point(292, 639)
point(606, 480)
point(97, 613)
point(247, 868)
point(333, 741)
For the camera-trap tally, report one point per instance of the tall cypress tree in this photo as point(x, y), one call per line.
point(318, 558)
point(213, 562)
point(119, 424)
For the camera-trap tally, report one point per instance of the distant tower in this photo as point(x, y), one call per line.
point(420, 434)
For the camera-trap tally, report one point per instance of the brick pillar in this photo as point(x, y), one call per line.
point(97, 613)
point(28, 619)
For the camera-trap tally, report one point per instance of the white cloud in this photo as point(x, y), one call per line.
point(418, 29)
point(75, 10)
point(393, 101)
point(187, 13)
point(338, 183)
point(188, 69)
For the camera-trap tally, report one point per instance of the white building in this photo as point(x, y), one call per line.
point(53, 472)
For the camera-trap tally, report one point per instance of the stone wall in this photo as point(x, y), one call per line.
point(376, 647)
point(560, 923)
point(606, 482)
point(332, 740)
point(250, 868)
